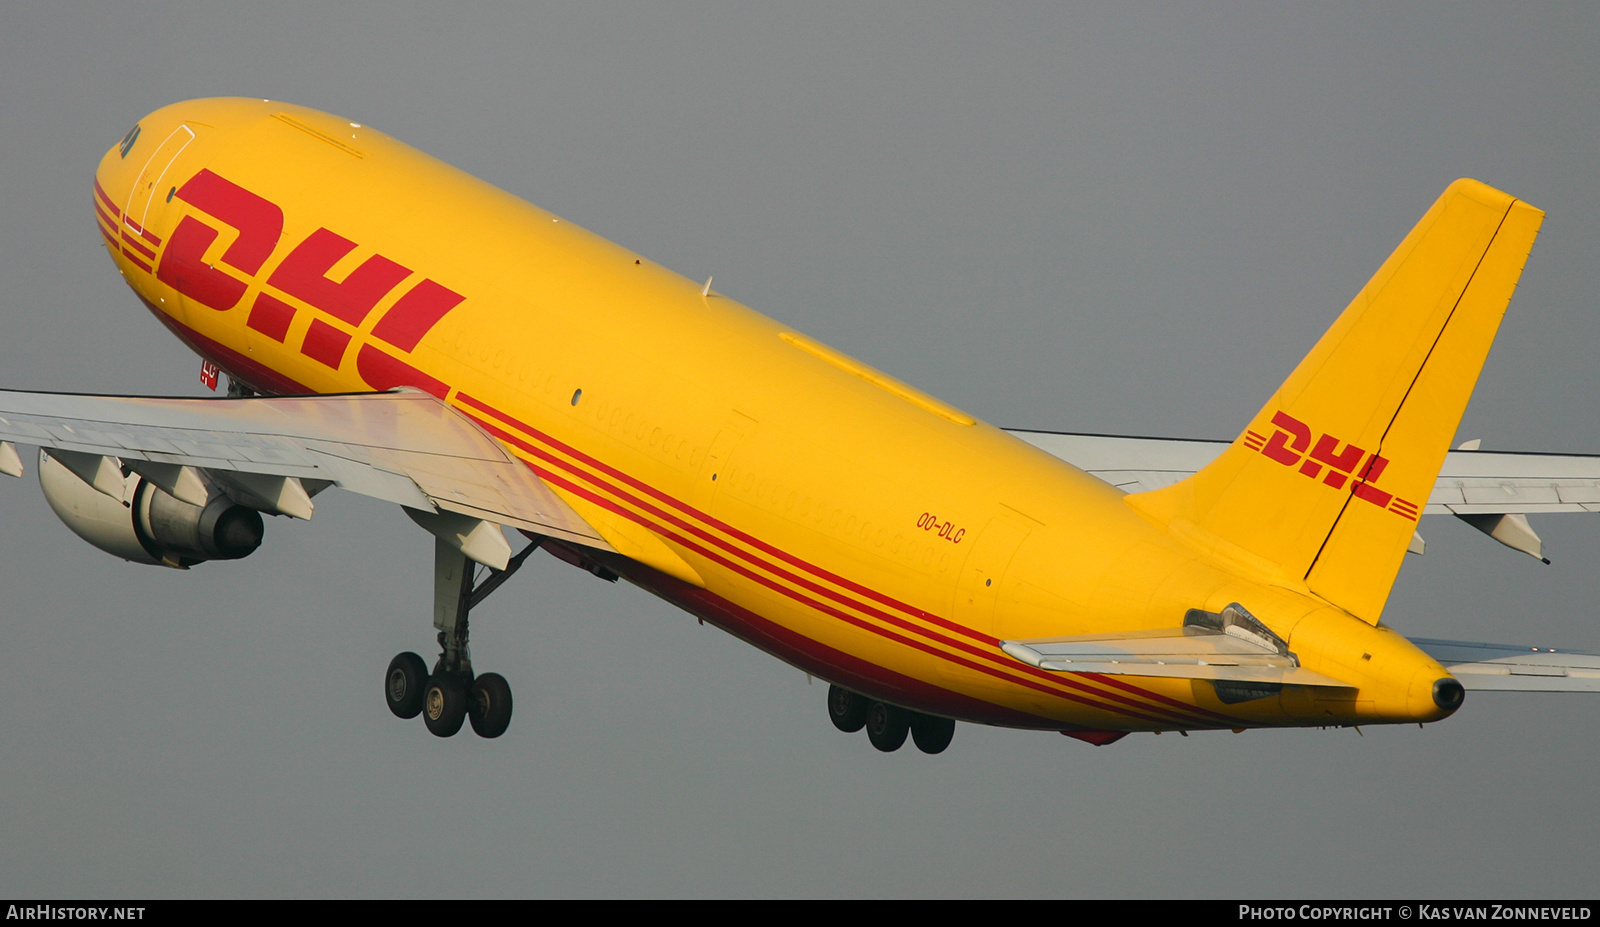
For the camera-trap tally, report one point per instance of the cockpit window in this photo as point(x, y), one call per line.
point(129, 139)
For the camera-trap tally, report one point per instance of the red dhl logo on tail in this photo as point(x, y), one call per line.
point(1290, 444)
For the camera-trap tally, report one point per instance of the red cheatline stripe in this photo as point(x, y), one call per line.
point(986, 651)
point(987, 641)
point(259, 374)
point(755, 542)
point(702, 533)
point(138, 246)
point(101, 193)
point(101, 213)
point(110, 238)
point(135, 259)
point(144, 233)
point(923, 646)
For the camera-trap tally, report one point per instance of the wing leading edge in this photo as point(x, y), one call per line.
point(404, 446)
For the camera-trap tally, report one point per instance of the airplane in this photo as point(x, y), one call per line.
point(389, 325)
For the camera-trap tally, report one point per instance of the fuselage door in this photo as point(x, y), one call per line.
point(147, 185)
point(985, 569)
point(714, 471)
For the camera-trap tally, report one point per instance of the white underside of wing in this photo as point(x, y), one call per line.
point(404, 446)
point(1511, 668)
point(1128, 463)
point(1469, 483)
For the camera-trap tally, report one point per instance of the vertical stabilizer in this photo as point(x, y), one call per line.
point(1325, 484)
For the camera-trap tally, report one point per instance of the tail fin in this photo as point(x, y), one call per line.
point(1326, 483)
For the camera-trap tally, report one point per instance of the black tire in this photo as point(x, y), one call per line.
point(403, 684)
point(489, 705)
point(931, 734)
point(887, 726)
point(847, 710)
point(444, 705)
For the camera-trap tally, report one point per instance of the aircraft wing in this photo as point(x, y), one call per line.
point(1470, 482)
point(403, 446)
point(1509, 668)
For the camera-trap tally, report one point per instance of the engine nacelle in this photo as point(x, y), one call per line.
point(147, 525)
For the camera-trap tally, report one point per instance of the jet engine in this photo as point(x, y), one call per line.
point(146, 524)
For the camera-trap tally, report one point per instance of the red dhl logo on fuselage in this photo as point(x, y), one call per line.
point(302, 276)
point(1290, 445)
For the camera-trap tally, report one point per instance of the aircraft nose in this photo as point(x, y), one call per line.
point(111, 183)
point(1448, 693)
point(122, 161)
point(137, 176)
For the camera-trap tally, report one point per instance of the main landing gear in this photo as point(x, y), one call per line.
point(887, 725)
point(452, 694)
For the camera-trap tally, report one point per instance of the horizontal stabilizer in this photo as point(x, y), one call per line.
point(1176, 653)
point(1228, 647)
point(1509, 668)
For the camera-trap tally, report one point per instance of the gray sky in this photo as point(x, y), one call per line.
point(1128, 221)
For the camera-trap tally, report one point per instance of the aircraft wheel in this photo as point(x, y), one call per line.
point(489, 705)
point(887, 726)
point(847, 710)
point(403, 684)
point(931, 734)
point(444, 705)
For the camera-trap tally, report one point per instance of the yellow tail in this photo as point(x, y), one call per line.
point(1326, 483)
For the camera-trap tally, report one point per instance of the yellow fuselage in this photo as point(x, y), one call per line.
point(830, 515)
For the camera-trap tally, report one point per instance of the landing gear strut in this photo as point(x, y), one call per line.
point(452, 694)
